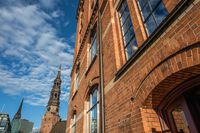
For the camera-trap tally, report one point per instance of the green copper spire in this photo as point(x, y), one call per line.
point(18, 113)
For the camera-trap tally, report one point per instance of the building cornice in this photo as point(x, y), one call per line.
point(94, 11)
point(80, 6)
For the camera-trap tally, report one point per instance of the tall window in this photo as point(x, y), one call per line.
point(93, 45)
point(92, 112)
point(153, 13)
point(74, 123)
point(76, 84)
point(129, 39)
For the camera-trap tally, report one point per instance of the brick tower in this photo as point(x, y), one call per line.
point(51, 116)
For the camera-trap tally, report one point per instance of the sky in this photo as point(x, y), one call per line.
point(36, 36)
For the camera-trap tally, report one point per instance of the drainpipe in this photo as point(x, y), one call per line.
point(102, 129)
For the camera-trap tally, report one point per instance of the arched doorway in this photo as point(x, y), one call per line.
point(180, 110)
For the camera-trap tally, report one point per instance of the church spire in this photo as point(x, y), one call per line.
point(18, 113)
point(54, 100)
point(59, 73)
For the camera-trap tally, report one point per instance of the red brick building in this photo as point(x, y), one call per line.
point(136, 67)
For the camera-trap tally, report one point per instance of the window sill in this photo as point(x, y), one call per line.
point(153, 37)
point(91, 64)
point(74, 94)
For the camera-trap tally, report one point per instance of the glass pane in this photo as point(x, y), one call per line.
point(93, 47)
point(74, 117)
point(127, 25)
point(153, 3)
point(134, 45)
point(127, 38)
point(94, 97)
point(180, 120)
point(76, 81)
point(142, 3)
point(160, 13)
point(150, 25)
point(129, 51)
point(123, 6)
point(93, 120)
point(124, 16)
point(146, 11)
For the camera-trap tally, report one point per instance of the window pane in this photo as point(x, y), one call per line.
point(151, 25)
point(153, 13)
point(93, 120)
point(94, 97)
point(76, 81)
point(125, 14)
point(129, 51)
point(142, 3)
point(127, 25)
point(93, 49)
point(134, 45)
point(153, 3)
point(160, 13)
point(180, 120)
point(146, 11)
point(123, 6)
point(127, 30)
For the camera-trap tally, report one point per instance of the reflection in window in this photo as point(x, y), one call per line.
point(127, 30)
point(180, 120)
point(153, 13)
point(93, 111)
point(93, 45)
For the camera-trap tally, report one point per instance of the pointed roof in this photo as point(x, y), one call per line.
point(59, 73)
point(54, 99)
point(18, 113)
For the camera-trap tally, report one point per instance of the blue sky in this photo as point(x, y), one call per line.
point(35, 37)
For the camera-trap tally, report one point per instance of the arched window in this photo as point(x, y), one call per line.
point(93, 111)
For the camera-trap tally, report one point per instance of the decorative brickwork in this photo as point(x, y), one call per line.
point(135, 89)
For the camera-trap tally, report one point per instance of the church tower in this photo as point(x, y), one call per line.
point(51, 116)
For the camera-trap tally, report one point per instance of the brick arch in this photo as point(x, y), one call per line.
point(174, 70)
point(91, 84)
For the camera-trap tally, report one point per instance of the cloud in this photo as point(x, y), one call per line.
point(73, 37)
point(56, 14)
point(31, 51)
point(48, 4)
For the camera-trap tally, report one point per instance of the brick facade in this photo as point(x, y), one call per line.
point(135, 88)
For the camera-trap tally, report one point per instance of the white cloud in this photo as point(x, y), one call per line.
point(56, 14)
point(31, 53)
point(73, 37)
point(48, 4)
